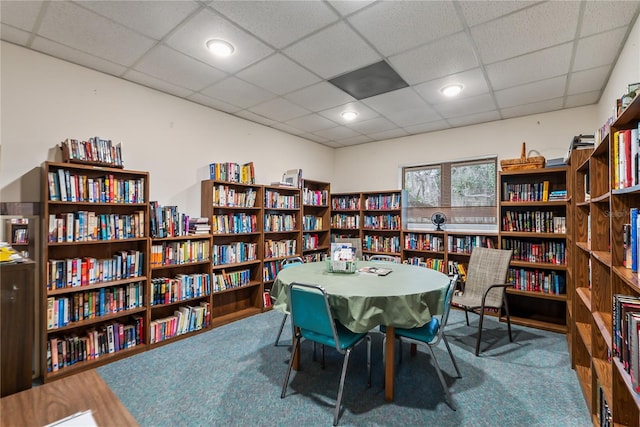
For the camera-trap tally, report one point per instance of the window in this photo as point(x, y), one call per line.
point(464, 191)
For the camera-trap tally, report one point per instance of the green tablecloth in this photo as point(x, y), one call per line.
point(405, 298)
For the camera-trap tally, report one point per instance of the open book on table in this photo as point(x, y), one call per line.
point(380, 271)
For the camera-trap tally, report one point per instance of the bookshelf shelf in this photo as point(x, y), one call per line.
point(601, 272)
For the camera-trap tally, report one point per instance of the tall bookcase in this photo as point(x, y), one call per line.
point(282, 229)
point(316, 217)
point(599, 273)
point(235, 213)
point(346, 219)
point(381, 223)
point(533, 215)
point(180, 291)
point(95, 265)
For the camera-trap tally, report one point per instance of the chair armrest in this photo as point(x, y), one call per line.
point(497, 285)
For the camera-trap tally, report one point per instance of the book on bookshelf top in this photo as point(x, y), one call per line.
point(96, 151)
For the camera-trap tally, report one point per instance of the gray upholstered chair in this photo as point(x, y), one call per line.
point(485, 286)
point(288, 262)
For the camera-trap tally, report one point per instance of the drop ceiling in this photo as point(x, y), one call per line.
point(514, 58)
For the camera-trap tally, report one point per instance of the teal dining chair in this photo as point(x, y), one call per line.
point(430, 335)
point(288, 262)
point(312, 320)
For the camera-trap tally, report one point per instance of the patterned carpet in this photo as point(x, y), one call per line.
point(232, 376)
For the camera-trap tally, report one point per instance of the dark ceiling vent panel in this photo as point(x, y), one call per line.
point(369, 81)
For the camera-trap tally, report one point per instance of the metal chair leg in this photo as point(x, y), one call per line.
point(341, 387)
point(442, 381)
point(506, 310)
point(284, 320)
point(453, 359)
point(479, 331)
point(466, 315)
point(296, 347)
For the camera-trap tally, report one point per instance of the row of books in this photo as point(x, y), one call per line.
point(423, 242)
point(74, 272)
point(311, 223)
point(631, 240)
point(91, 304)
point(388, 244)
point(626, 154)
point(95, 150)
point(234, 223)
point(530, 192)
point(382, 202)
point(226, 196)
point(534, 222)
point(314, 257)
point(68, 350)
point(233, 172)
point(234, 279)
point(315, 197)
point(165, 290)
point(65, 186)
point(167, 221)
point(84, 226)
point(382, 222)
point(274, 200)
point(270, 270)
point(279, 222)
point(548, 282)
point(465, 244)
point(345, 203)
point(626, 335)
point(437, 264)
point(199, 226)
point(184, 320)
point(546, 251)
point(345, 221)
point(280, 248)
point(310, 241)
point(180, 252)
point(234, 252)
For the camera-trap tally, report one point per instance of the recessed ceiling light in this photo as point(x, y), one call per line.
point(349, 115)
point(220, 47)
point(451, 90)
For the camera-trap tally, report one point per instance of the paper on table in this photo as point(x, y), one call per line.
point(80, 419)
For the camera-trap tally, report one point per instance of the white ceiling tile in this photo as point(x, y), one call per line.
point(319, 96)
point(435, 60)
point(246, 114)
point(465, 106)
point(602, 16)
point(379, 124)
point(532, 92)
point(333, 51)
point(80, 29)
point(278, 74)
point(157, 84)
point(472, 119)
point(473, 83)
point(191, 38)
point(20, 14)
point(395, 101)
point(238, 92)
point(14, 35)
point(581, 99)
point(279, 109)
point(526, 68)
point(311, 123)
point(213, 103)
point(338, 132)
point(355, 140)
point(347, 7)
point(394, 27)
point(598, 50)
point(478, 12)
point(288, 20)
point(288, 129)
point(178, 69)
point(389, 134)
point(584, 81)
point(77, 57)
point(531, 29)
point(151, 18)
point(428, 127)
point(314, 138)
point(412, 117)
point(364, 112)
point(533, 108)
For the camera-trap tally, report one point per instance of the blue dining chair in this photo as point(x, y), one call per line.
point(312, 320)
point(430, 335)
point(288, 262)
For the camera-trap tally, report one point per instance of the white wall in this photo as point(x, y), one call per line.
point(45, 100)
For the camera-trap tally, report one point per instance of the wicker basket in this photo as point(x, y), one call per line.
point(523, 162)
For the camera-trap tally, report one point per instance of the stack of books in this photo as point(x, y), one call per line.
point(199, 226)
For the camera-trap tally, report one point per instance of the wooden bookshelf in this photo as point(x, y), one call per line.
point(95, 264)
point(346, 218)
point(381, 223)
point(534, 223)
point(235, 213)
point(599, 271)
point(316, 219)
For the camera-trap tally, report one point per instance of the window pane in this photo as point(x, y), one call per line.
point(473, 184)
point(423, 186)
